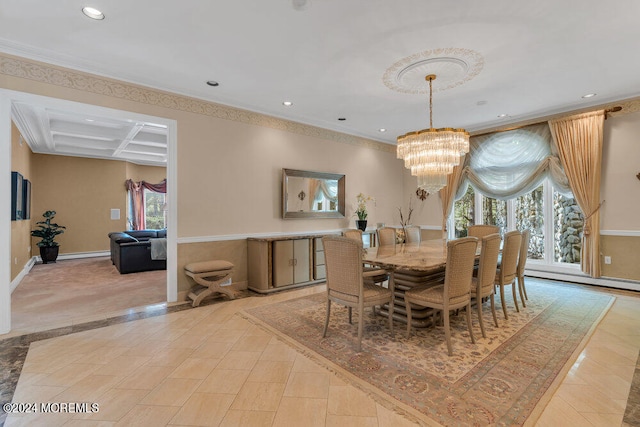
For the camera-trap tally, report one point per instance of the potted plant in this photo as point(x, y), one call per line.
point(48, 231)
point(361, 210)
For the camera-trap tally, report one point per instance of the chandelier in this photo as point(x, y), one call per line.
point(431, 154)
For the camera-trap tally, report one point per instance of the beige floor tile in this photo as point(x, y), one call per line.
point(389, 418)
point(589, 399)
point(252, 343)
point(604, 420)
point(235, 418)
point(37, 393)
point(170, 357)
point(203, 409)
point(88, 389)
point(171, 392)
point(345, 420)
point(195, 368)
point(148, 415)
point(611, 386)
point(279, 351)
point(114, 404)
point(89, 423)
point(347, 400)
point(239, 360)
point(228, 381)
point(270, 372)
point(212, 350)
point(68, 375)
point(145, 378)
point(124, 365)
point(308, 384)
point(258, 397)
point(560, 413)
point(304, 364)
point(294, 411)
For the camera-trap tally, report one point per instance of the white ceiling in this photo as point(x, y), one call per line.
point(524, 59)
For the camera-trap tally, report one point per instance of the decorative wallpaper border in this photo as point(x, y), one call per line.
point(45, 73)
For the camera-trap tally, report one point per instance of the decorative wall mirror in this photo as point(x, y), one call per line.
point(308, 194)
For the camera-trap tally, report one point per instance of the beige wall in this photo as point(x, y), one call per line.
point(152, 174)
point(20, 230)
point(621, 163)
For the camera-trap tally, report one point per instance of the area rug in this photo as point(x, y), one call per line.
point(497, 381)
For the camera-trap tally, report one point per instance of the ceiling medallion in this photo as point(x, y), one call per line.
point(453, 66)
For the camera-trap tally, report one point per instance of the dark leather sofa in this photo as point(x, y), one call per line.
point(131, 251)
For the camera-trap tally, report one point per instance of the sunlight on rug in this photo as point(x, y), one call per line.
point(498, 381)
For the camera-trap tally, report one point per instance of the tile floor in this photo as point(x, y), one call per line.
point(209, 367)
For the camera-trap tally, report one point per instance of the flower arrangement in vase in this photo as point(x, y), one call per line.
point(361, 210)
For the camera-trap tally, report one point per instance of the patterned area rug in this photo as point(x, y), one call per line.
point(497, 381)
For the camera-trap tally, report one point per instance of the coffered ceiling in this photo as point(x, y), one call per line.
point(497, 62)
point(72, 133)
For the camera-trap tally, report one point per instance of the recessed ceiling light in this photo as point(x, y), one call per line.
point(382, 130)
point(90, 120)
point(92, 13)
point(213, 83)
point(502, 116)
point(342, 119)
point(589, 95)
point(287, 103)
point(482, 103)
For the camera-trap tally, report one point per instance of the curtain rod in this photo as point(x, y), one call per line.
point(606, 113)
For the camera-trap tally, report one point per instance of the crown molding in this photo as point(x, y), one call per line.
point(59, 76)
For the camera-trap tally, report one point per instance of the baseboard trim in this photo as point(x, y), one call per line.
point(79, 255)
point(607, 282)
point(25, 270)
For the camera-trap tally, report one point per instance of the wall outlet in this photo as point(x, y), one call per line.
point(607, 260)
point(16, 261)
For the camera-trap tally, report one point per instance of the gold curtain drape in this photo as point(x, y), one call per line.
point(579, 141)
point(448, 193)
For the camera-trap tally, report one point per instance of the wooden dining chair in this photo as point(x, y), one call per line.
point(522, 262)
point(455, 293)
point(412, 234)
point(507, 271)
point(386, 236)
point(482, 286)
point(481, 230)
point(345, 281)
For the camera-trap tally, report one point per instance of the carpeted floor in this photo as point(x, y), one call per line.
point(498, 381)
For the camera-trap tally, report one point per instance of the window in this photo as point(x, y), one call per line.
point(155, 214)
point(529, 211)
point(555, 221)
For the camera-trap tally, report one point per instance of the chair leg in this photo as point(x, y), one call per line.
point(479, 304)
point(493, 311)
point(515, 297)
point(326, 321)
point(504, 304)
point(408, 306)
point(360, 327)
point(469, 325)
point(350, 310)
point(523, 287)
point(524, 304)
point(447, 331)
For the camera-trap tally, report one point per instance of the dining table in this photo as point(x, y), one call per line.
point(410, 265)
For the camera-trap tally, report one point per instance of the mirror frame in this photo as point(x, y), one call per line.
point(317, 175)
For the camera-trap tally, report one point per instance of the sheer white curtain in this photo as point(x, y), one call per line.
point(326, 189)
point(503, 165)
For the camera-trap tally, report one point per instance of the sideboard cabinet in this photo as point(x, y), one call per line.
point(277, 263)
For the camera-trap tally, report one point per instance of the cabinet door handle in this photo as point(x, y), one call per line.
point(295, 261)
